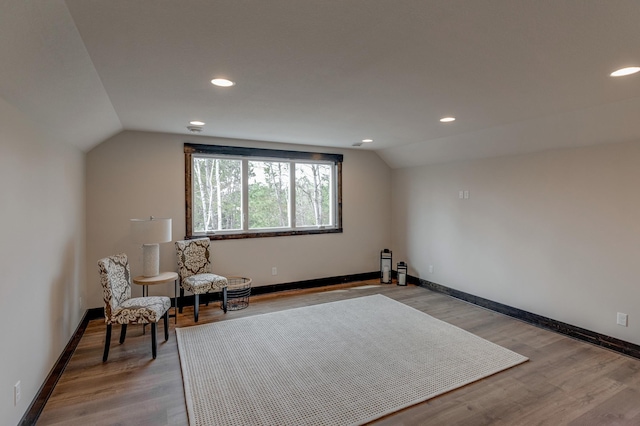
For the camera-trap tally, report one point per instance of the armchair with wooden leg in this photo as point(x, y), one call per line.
point(121, 308)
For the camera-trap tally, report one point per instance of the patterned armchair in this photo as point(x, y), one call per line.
point(195, 274)
point(121, 308)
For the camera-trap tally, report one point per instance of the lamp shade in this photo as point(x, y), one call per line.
point(151, 231)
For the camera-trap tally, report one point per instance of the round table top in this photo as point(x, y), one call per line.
point(163, 277)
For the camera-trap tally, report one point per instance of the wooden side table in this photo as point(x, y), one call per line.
point(162, 278)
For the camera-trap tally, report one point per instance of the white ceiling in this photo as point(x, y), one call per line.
point(519, 75)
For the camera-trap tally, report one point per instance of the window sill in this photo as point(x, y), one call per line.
point(267, 234)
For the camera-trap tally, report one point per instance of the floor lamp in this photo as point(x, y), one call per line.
point(150, 233)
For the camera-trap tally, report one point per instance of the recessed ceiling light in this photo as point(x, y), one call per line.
point(625, 71)
point(447, 119)
point(367, 140)
point(197, 123)
point(222, 82)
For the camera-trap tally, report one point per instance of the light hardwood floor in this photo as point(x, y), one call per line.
point(566, 382)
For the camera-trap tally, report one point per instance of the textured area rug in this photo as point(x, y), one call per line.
point(339, 363)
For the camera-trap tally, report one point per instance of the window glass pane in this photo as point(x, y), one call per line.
point(217, 194)
point(313, 195)
point(268, 194)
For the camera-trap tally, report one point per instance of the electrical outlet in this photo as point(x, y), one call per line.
point(466, 195)
point(17, 393)
point(431, 269)
point(461, 194)
point(622, 319)
point(274, 271)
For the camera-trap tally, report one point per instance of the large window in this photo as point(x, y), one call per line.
point(234, 192)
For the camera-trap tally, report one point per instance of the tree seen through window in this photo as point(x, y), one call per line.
point(239, 194)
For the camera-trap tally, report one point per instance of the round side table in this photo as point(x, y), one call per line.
point(162, 278)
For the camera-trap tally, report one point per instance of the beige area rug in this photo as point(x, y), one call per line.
point(338, 363)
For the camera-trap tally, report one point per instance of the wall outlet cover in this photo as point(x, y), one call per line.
point(622, 319)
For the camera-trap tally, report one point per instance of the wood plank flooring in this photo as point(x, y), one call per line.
point(566, 382)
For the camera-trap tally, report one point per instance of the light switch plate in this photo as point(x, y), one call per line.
point(623, 319)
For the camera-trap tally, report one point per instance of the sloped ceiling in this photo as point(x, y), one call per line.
point(46, 72)
point(519, 76)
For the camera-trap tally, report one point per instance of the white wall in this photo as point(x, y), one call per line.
point(555, 233)
point(41, 255)
point(137, 174)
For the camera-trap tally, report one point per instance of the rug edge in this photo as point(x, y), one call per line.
point(291, 309)
point(447, 390)
point(185, 378)
point(455, 326)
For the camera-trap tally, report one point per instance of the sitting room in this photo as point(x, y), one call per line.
point(329, 212)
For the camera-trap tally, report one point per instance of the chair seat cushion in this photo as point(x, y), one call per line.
point(204, 283)
point(141, 310)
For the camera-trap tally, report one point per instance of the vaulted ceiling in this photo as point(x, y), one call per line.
point(519, 75)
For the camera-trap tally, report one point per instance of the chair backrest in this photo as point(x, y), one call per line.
point(193, 257)
point(115, 278)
